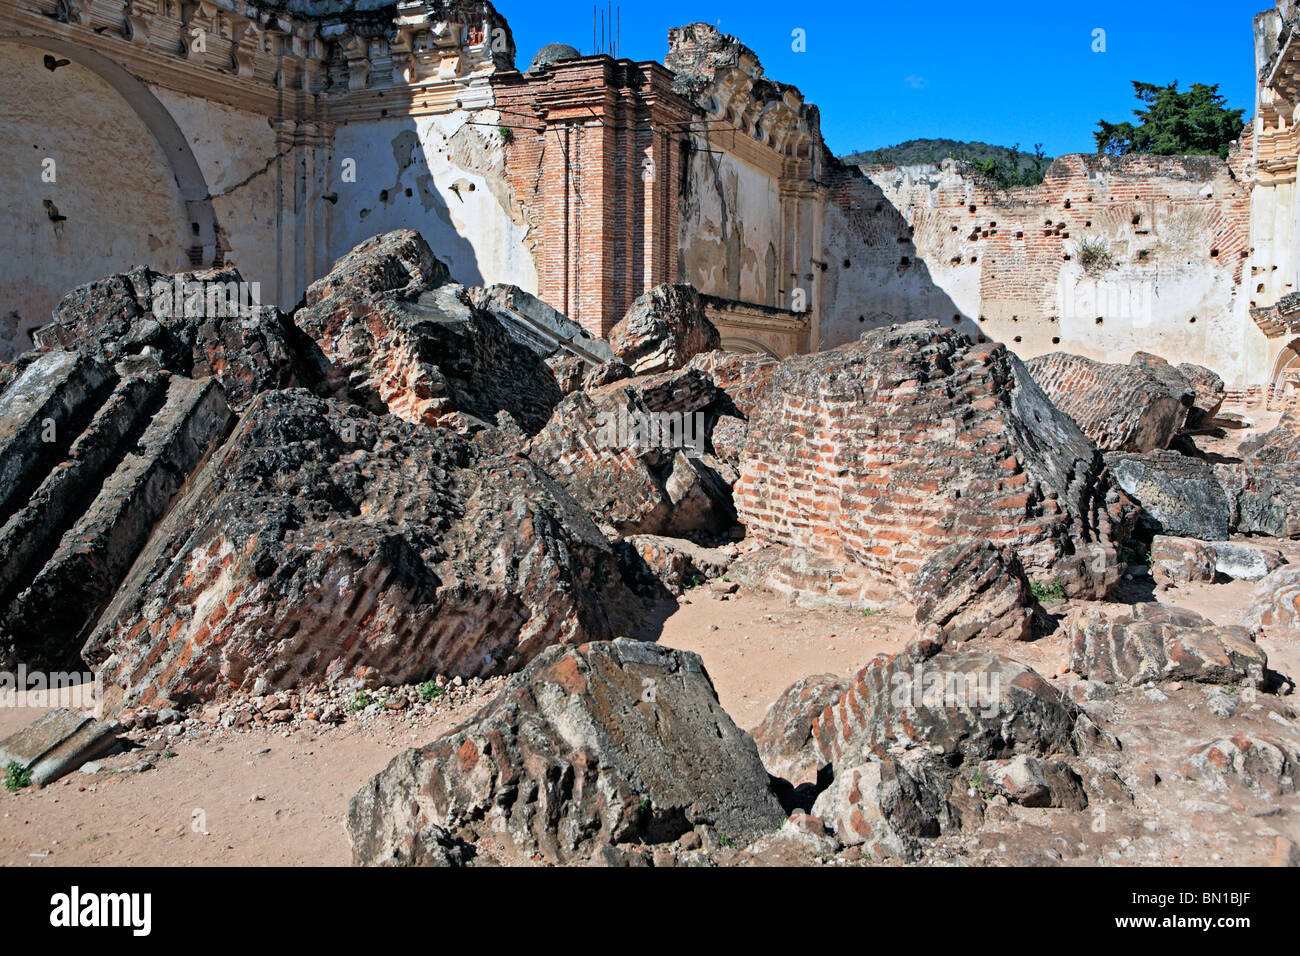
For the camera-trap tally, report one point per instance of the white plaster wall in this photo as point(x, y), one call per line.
point(441, 176)
point(235, 151)
point(730, 231)
point(114, 185)
point(1179, 302)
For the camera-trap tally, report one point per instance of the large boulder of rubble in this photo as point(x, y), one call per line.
point(1119, 407)
point(91, 458)
point(635, 454)
point(914, 729)
point(877, 454)
point(587, 755)
point(785, 735)
point(1276, 604)
point(1153, 642)
point(195, 324)
point(1179, 495)
point(1278, 446)
point(1208, 390)
point(973, 589)
point(663, 330)
point(394, 336)
point(325, 543)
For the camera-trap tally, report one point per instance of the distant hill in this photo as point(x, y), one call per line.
point(1004, 165)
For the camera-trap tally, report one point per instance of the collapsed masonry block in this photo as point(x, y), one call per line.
point(663, 330)
point(877, 454)
point(785, 735)
point(56, 744)
point(1262, 497)
point(1152, 642)
point(1119, 407)
point(635, 455)
point(195, 324)
point(912, 731)
point(1278, 446)
point(677, 563)
point(79, 507)
point(323, 543)
point(1262, 763)
point(1179, 561)
point(1276, 605)
point(394, 336)
point(536, 325)
point(587, 751)
point(973, 590)
point(1209, 392)
point(1179, 496)
point(1245, 562)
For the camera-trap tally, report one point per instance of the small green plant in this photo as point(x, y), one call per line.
point(644, 805)
point(168, 754)
point(1094, 255)
point(506, 133)
point(977, 785)
point(693, 582)
point(1134, 552)
point(726, 841)
point(429, 690)
point(360, 701)
point(872, 611)
point(1044, 591)
point(16, 777)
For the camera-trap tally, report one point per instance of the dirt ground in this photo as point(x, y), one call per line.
point(276, 797)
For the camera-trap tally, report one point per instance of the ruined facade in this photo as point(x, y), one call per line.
point(274, 137)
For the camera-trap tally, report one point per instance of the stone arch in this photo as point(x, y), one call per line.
point(1285, 379)
point(740, 343)
point(193, 187)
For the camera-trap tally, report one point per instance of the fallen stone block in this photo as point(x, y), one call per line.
point(1179, 496)
point(880, 453)
point(194, 324)
point(1180, 561)
point(636, 455)
point(785, 738)
point(131, 462)
point(1263, 497)
point(58, 743)
point(1153, 642)
point(1279, 446)
point(1119, 407)
point(587, 750)
point(1245, 562)
point(663, 330)
point(1209, 393)
point(1031, 782)
point(322, 543)
point(973, 590)
point(1276, 605)
point(677, 563)
point(1261, 763)
point(891, 805)
point(536, 325)
point(969, 704)
point(394, 336)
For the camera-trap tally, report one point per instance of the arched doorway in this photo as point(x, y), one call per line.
point(100, 178)
point(1285, 381)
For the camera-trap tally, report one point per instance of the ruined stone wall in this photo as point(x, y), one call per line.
point(925, 242)
point(60, 233)
point(594, 164)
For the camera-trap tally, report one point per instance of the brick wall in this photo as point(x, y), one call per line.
point(595, 168)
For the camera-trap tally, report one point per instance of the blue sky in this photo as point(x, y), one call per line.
point(1005, 72)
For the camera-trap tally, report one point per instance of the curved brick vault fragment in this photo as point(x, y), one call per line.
point(873, 456)
point(325, 542)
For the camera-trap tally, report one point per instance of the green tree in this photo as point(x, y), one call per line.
point(1195, 122)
